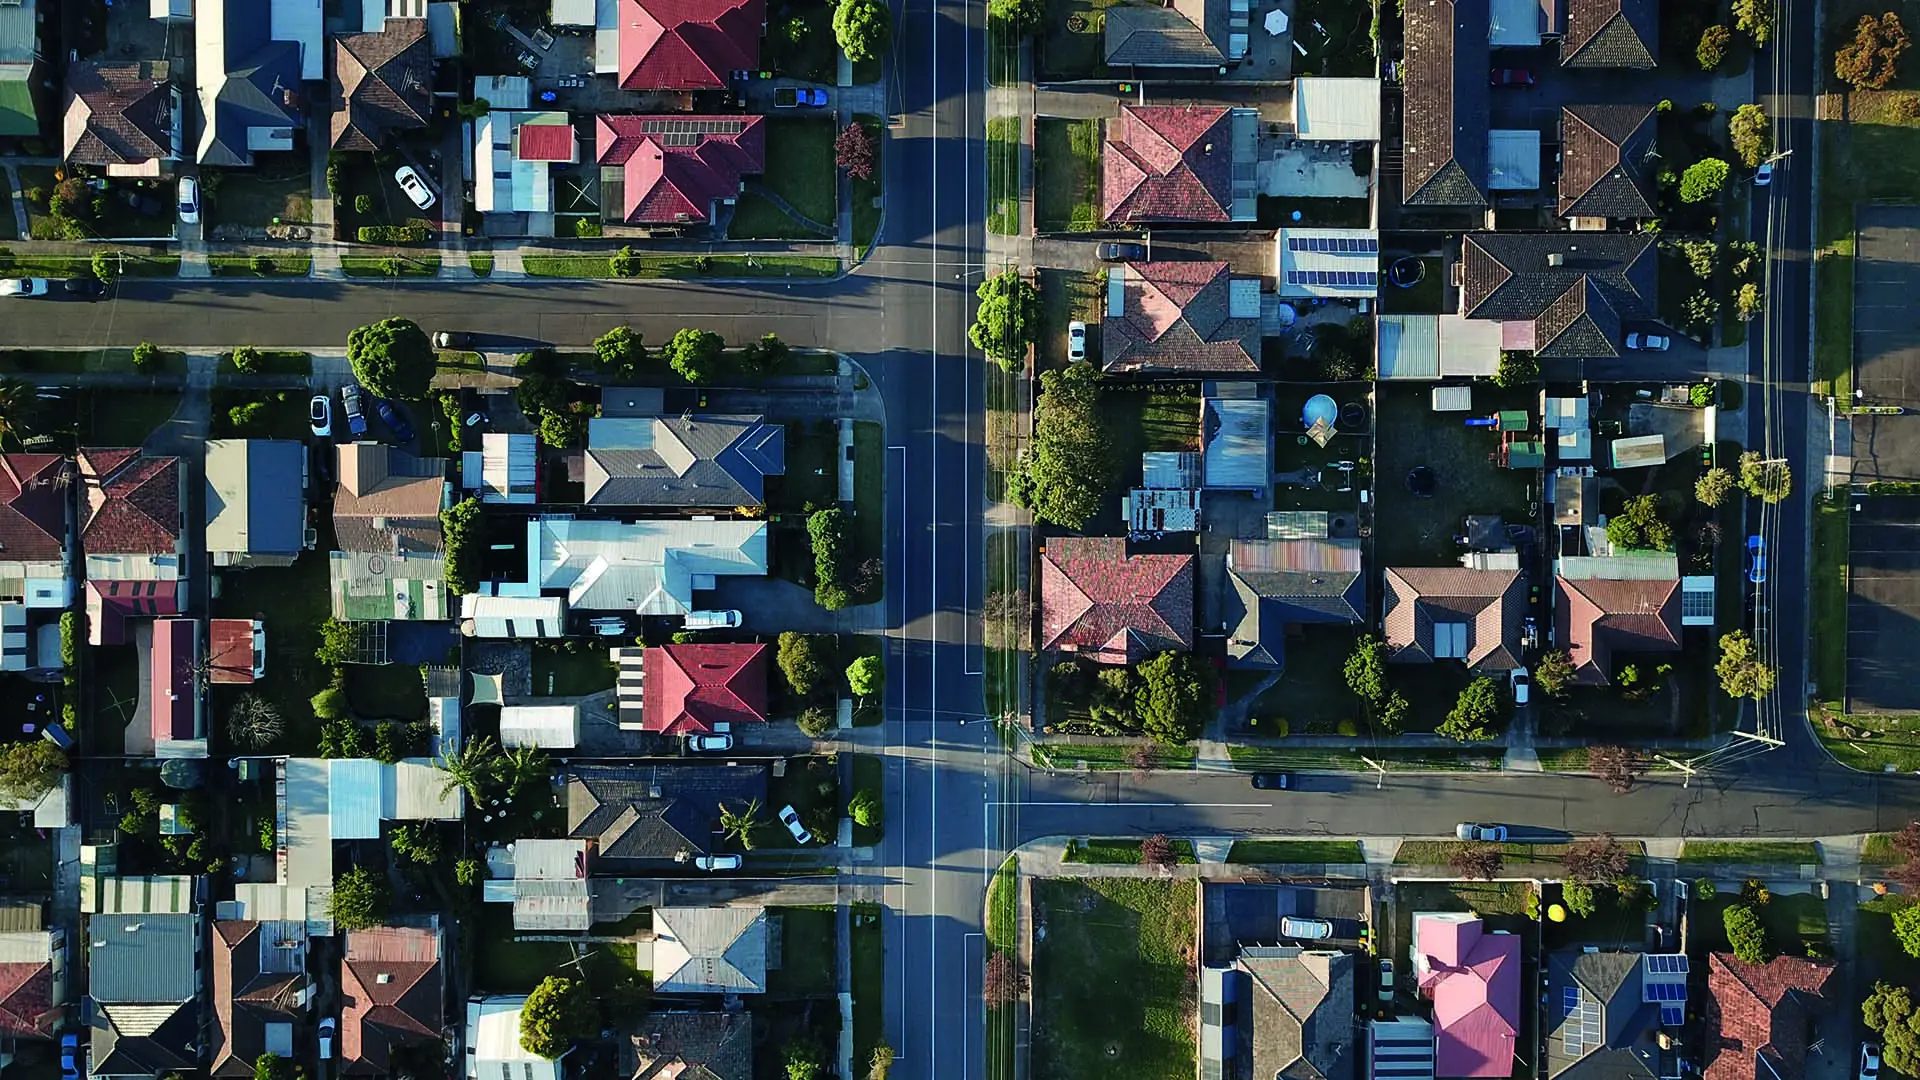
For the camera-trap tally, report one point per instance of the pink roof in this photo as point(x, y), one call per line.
point(546, 142)
point(691, 688)
point(1168, 163)
point(687, 44)
point(1102, 603)
point(1473, 978)
point(677, 166)
point(175, 642)
point(111, 603)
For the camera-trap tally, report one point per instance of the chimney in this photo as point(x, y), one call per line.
point(1556, 259)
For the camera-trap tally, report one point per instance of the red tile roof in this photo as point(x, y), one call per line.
point(1168, 163)
point(545, 142)
point(691, 688)
point(230, 657)
point(667, 180)
point(132, 502)
point(1593, 617)
point(26, 999)
point(176, 648)
point(1489, 604)
point(33, 506)
point(687, 44)
point(246, 998)
point(1177, 316)
point(390, 990)
point(111, 603)
point(1100, 602)
point(1760, 1009)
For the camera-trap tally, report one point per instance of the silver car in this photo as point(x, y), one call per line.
point(1466, 830)
point(791, 819)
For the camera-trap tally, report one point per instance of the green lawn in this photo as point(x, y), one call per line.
point(85, 361)
point(126, 417)
point(807, 959)
point(1791, 920)
point(1749, 851)
point(869, 973)
point(273, 362)
point(1869, 151)
point(1003, 53)
point(1066, 174)
point(1071, 42)
point(800, 167)
point(866, 192)
point(1878, 850)
point(869, 774)
point(283, 415)
point(9, 229)
point(1891, 742)
point(1295, 851)
point(1105, 756)
point(1140, 420)
point(246, 197)
point(1877, 947)
point(757, 218)
point(409, 265)
point(1114, 850)
point(686, 266)
point(1828, 603)
point(481, 264)
point(289, 264)
point(510, 966)
point(1436, 852)
point(572, 674)
point(869, 532)
point(1003, 175)
point(1258, 758)
point(293, 601)
point(1113, 979)
point(1003, 916)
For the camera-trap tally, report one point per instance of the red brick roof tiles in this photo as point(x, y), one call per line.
point(33, 506)
point(1596, 616)
point(1177, 316)
point(1168, 163)
point(26, 998)
point(1100, 602)
point(1760, 1009)
point(132, 502)
point(687, 44)
point(692, 688)
point(665, 182)
point(390, 990)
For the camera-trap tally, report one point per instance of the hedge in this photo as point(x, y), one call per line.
point(394, 234)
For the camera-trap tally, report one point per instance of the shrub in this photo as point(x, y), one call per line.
point(1516, 369)
point(333, 179)
point(827, 530)
point(815, 722)
point(363, 204)
point(803, 659)
point(246, 360)
point(624, 263)
point(586, 228)
point(1703, 180)
point(69, 637)
point(1713, 47)
point(1713, 487)
point(1747, 302)
point(1745, 936)
point(1871, 60)
point(556, 1014)
point(1751, 133)
point(393, 234)
point(1173, 699)
point(146, 357)
point(853, 151)
point(464, 530)
point(866, 809)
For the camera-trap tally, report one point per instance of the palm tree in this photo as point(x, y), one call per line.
point(741, 826)
point(16, 402)
point(521, 766)
point(469, 768)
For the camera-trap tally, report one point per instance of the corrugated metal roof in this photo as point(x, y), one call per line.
point(309, 839)
point(550, 860)
point(554, 727)
point(17, 40)
point(649, 567)
point(710, 950)
point(493, 1041)
point(1513, 160)
point(509, 466)
point(1647, 566)
point(418, 792)
point(512, 616)
point(1639, 451)
point(1235, 437)
point(1408, 346)
point(1347, 110)
point(142, 959)
point(354, 798)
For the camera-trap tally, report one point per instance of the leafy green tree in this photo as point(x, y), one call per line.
point(866, 676)
point(1007, 320)
point(341, 739)
point(803, 659)
point(272, 1067)
point(1756, 18)
point(1021, 16)
point(556, 1014)
point(1172, 698)
point(1889, 1010)
point(1906, 929)
point(741, 825)
point(769, 353)
point(1713, 487)
point(29, 769)
point(466, 871)
point(146, 358)
point(1763, 478)
point(392, 358)
point(246, 360)
point(1393, 715)
point(1474, 714)
point(564, 429)
point(1553, 673)
point(1516, 369)
point(1366, 671)
point(1578, 896)
point(694, 353)
point(1743, 674)
point(472, 767)
point(361, 898)
point(1702, 256)
point(1871, 60)
point(1071, 466)
point(1703, 180)
point(330, 703)
point(881, 1063)
point(462, 530)
point(862, 28)
point(106, 266)
point(619, 351)
point(814, 722)
point(866, 809)
point(1749, 128)
point(1747, 301)
point(418, 841)
point(827, 530)
point(1712, 49)
point(1745, 936)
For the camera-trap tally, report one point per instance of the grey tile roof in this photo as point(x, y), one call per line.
point(706, 460)
point(1444, 162)
point(144, 1040)
point(1277, 583)
point(1611, 34)
point(1153, 36)
point(1604, 165)
point(1612, 980)
point(1576, 287)
point(675, 1045)
point(658, 812)
point(142, 959)
point(260, 90)
point(710, 950)
point(1301, 1027)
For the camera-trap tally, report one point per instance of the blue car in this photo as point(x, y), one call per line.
point(1756, 560)
point(395, 420)
point(70, 1057)
point(356, 420)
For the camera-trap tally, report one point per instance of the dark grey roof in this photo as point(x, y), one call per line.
point(1628, 1026)
point(1154, 36)
point(1603, 171)
point(707, 460)
point(1577, 288)
point(1611, 34)
point(261, 89)
point(1444, 162)
point(657, 812)
point(1277, 583)
point(143, 1040)
point(143, 959)
point(1301, 1025)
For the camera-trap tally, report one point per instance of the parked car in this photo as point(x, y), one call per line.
point(451, 339)
point(188, 200)
point(320, 416)
point(1756, 560)
point(1490, 833)
point(394, 418)
point(24, 286)
point(713, 863)
point(1869, 1061)
point(1763, 175)
point(1522, 684)
point(356, 420)
point(711, 620)
point(476, 417)
point(1076, 340)
point(788, 97)
point(1649, 342)
point(791, 819)
point(1272, 781)
point(1386, 981)
point(84, 288)
point(1512, 77)
point(1294, 926)
point(327, 1028)
point(70, 1056)
point(416, 188)
point(1114, 251)
point(710, 744)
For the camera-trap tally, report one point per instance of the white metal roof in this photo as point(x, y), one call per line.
point(512, 616)
point(550, 860)
point(416, 790)
point(1639, 451)
point(1513, 160)
point(509, 464)
point(1436, 346)
point(649, 567)
point(552, 727)
point(571, 13)
point(1162, 510)
point(1346, 110)
point(1452, 398)
point(1235, 431)
point(493, 1043)
point(1638, 566)
point(308, 837)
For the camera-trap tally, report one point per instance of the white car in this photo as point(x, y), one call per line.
point(320, 416)
point(791, 819)
point(1869, 1062)
point(25, 286)
point(1490, 833)
point(1076, 340)
point(1522, 683)
point(1386, 981)
point(327, 1028)
point(415, 188)
point(709, 744)
point(1649, 342)
point(712, 863)
point(189, 200)
point(712, 620)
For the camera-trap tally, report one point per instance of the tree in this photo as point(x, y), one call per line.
point(1871, 60)
point(392, 358)
point(1020, 16)
point(1713, 47)
point(866, 676)
point(1553, 673)
point(1703, 180)
point(1906, 843)
point(1745, 936)
point(827, 530)
point(342, 739)
point(853, 151)
point(1713, 486)
point(1516, 369)
point(814, 722)
point(1172, 698)
point(1906, 929)
point(801, 1058)
point(1755, 17)
point(802, 659)
point(557, 1013)
point(881, 1063)
point(1071, 466)
point(1702, 256)
point(1157, 851)
point(246, 360)
point(1392, 719)
point(462, 530)
point(768, 353)
point(360, 899)
point(741, 824)
point(330, 704)
point(1764, 478)
point(694, 353)
point(1474, 714)
point(866, 808)
point(466, 871)
point(1742, 673)
point(1366, 671)
point(521, 766)
point(418, 841)
point(471, 768)
point(1638, 525)
point(254, 722)
point(1476, 861)
point(17, 403)
point(563, 429)
point(146, 358)
point(29, 769)
point(1578, 896)
point(1006, 618)
point(272, 1067)
point(1749, 128)
point(1597, 860)
point(1746, 301)
point(862, 28)
point(1618, 766)
point(1004, 982)
point(619, 351)
point(1698, 313)
point(1007, 320)
point(1889, 1010)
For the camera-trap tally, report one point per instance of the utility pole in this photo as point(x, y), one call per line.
point(1685, 768)
point(1380, 772)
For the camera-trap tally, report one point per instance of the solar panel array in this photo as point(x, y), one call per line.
point(1664, 991)
point(1355, 245)
point(674, 132)
point(1348, 278)
point(1667, 963)
point(1582, 1016)
point(1673, 1016)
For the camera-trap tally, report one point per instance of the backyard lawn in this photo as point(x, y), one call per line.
point(1165, 418)
point(1003, 175)
point(387, 691)
point(293, 601)
point(1066, 174)
point(1465, 479)
point(1113, 975)
point(807, 950)
point(800, 167)
point(572, 674)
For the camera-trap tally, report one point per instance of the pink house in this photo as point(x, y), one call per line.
point(1473, 978)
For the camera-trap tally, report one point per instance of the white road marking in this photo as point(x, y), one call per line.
point(1135, 805)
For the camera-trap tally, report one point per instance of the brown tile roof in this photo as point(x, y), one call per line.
point(230, 657)
point(246, 998)
point(1173, 36)
point(1755, 1010)
point(388, 500)
point(1603, 171)
point(390, 995)
point(1102, 603)
point(687, 44)
point(690, 1046)
point(1177, 316)
point(1611, 34)
point(1445, 157)
point(33, 506)
point(1593, 617)
point(132, 502)
point(1168, 163)
point(27, 1008)
point(1490, 603)
point(382, 82)
point(1576, 288)
point(118, 114)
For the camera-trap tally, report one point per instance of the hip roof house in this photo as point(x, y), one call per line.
point(1453, 613)
point(687, 44)
point(260, 993)
point(391, 988)
point(126, 117)
point(1473, 979)
point(1186, 163)
point(1102, 603)
point(250, 57)
point(709, 950)
point(708, 460)
point(675, 169)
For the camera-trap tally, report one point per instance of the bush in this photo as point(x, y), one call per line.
point(815, 722)
point(69, 638)
point(246, 360)
point(1713, 487)
point(1713, 47)
point(360, 899)
point(853, 151)
point(1474, 714)
point(1703, 180)
point(1745, 936)
point(557, 1013)
point(393, 234)
point(1751, 133)
point(1516, 369)
point(866, 809)
point(827, 530)
point(363, 204)
point(1871, 60)
point(586, 228)
point(804, 659)
point(1173, 699)
point(624, 263)
point(1747, 302)
point(333, 179)
point(464, 530)
point(1906, 929)
point(146, 357)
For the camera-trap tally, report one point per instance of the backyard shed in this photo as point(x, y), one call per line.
point(1639, 451)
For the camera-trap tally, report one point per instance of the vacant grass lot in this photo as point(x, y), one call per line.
point(800, 166)
point(244, 197)
point(1066, 174)
point(1113, 979)
point(1003, 175)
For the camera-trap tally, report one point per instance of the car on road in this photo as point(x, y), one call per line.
point(451, 339)
point(788, 97)
point(84, 288)
point(1649, 342)
point(1467, 830)
point(1117, 251)
point(394, 418)
point(416, 188)
point(710, 744)
point(1076, 340)
point(24, 286)
point(713, 863)
point(187, 200)
point(1272, 781)
point(1522, 684)
point(1386, 981)
point(1512, 77)
point(70, 1056)
point(356, 420)
point(1294, 926)
point(727, 619)
point(791, 819)
point(328, 1026)
point(1756, 560)
point(1763, 175)
point(1869, 1061)
point(320, 416)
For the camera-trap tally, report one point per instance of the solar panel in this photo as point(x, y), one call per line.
point(1582, 1021)
point(1569, 1000)
point(1672, 1016)
point(1667, 963)
point(1666, 991)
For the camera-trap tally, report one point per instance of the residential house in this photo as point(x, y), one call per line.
point(35, 493)
point(132, 530)
point(382, 83)
point(1099, 602)
point(670, 45)
point(686, 1045)
point(236, 651)
point(1606, 1011)
point(1559, 295)
point(1759, 1018)
point(125, 118)
point(505, 470)
point(1445, 123)
point(1627, 602)
point(324, 802)
point(392, 988)
point(1438, 613)
point(1181, 34)
point(260, 995)
point(1611, 34)
point(142, 1005)
point(1607, 157)
point(685, 460)
point(522, 146)
point(544, 880)
point(1179, 163)
point(21, 72)
point(698, 688)
point(175, 705)
point(493, 1042)
point(34, 980)
point(642, 567)
point(709, 950)
point(656, 817)
point(1473, 979)
point(388, 501)
point(256, 502)
point(1327, 264)
point(675, 170)
point(1294, 1013)
point(250, 57)
point(1275, 585)
point(1180, 318)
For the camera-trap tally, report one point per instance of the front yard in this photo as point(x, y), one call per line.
point(1792, 921)
point(807, 949)
point(1066, 174)
point(801, 172)
point(246, 198)
point(1113, 978)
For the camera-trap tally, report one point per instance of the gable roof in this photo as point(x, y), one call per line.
point(382, 82)
point(1173, 36)
point(1179, 316)
point(27, 1008)
point(1604, 161)
point(710, 950)
point(661, 813)
point(1098, 601)
point(33, 506)
point(1760, 1010)
point(387, 500)
point(245, 79)
point(142, 960)
point(1168, 163)
point(1446, 123)
point(254, 984)
point(687, 44)
point(255, 504)
point(1473, 978)
point(1611, 34)
point(675, 168)
point(646, 567)
point(1302, 1013)
point(173, 704)
point(1277, 583)
point(118, 114)
point(1595, 616)
point(132, 502)
point(1488, 603)
point(683, 460)
point(111, 603)
point(390, 992)
point(690, 1046)
point(144, 1040)
point(694, 688)
point(1576, 288)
